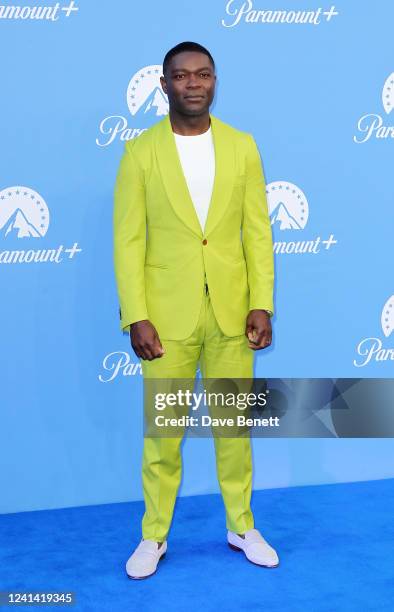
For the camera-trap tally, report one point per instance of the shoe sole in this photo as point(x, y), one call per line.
point(233, 547)
point(148, 575)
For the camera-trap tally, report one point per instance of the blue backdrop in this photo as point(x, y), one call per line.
point(315, 86)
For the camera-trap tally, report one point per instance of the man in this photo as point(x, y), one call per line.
point(194, 269)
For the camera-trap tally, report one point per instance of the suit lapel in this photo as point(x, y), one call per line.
point(224, 174)
point(174, 180)
point(173, 177)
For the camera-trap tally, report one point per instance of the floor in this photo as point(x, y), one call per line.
point(335, 544)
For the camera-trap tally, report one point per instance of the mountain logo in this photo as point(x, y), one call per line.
point(144, 92)
point(23, 213)
point(287, 204)
point(388, 94)
point(387, 318)
point(371, 125)
point(373, 348)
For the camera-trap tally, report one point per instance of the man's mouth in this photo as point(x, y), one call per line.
point(194, 98)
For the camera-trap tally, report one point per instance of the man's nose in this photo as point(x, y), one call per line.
point(192, 81)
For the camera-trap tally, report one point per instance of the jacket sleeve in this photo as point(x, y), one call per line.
point(129, 233)
point(256, 233)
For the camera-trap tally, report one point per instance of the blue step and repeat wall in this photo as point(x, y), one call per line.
point(314, 84)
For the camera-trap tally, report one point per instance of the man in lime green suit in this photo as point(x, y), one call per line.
point(194, 268)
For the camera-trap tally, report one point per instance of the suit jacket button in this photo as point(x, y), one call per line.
point(205, 241)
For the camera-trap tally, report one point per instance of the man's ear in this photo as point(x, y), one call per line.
point(163, 84)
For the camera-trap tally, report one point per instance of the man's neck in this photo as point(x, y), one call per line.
point(189, 126)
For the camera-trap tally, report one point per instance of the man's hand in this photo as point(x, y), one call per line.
point(145, 340)
point(258, 329)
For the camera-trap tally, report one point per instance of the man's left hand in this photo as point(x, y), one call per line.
point(258, 329)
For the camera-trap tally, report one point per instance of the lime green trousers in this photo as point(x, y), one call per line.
point(218, 356)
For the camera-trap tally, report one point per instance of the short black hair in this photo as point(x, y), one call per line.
point(185, 46)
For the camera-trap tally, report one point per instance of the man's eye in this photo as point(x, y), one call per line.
point(205, 74)
point(179, 76)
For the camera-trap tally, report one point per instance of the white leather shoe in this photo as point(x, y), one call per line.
point(256, 549)
point(143, 562)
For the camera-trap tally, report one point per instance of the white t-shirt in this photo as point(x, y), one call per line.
point(197, 157)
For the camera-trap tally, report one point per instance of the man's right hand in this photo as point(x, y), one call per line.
point(145, 340)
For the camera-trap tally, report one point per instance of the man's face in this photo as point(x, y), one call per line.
point(189, 83)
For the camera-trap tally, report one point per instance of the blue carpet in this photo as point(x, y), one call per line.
point(335, 544)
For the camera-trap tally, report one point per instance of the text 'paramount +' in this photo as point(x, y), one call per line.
point(245, 11)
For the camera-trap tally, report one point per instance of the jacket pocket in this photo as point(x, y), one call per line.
point(161, 266)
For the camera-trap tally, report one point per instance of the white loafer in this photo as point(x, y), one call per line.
point(143, 562)
point(256, 549)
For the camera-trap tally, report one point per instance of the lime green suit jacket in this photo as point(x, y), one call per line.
point(161, 254)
